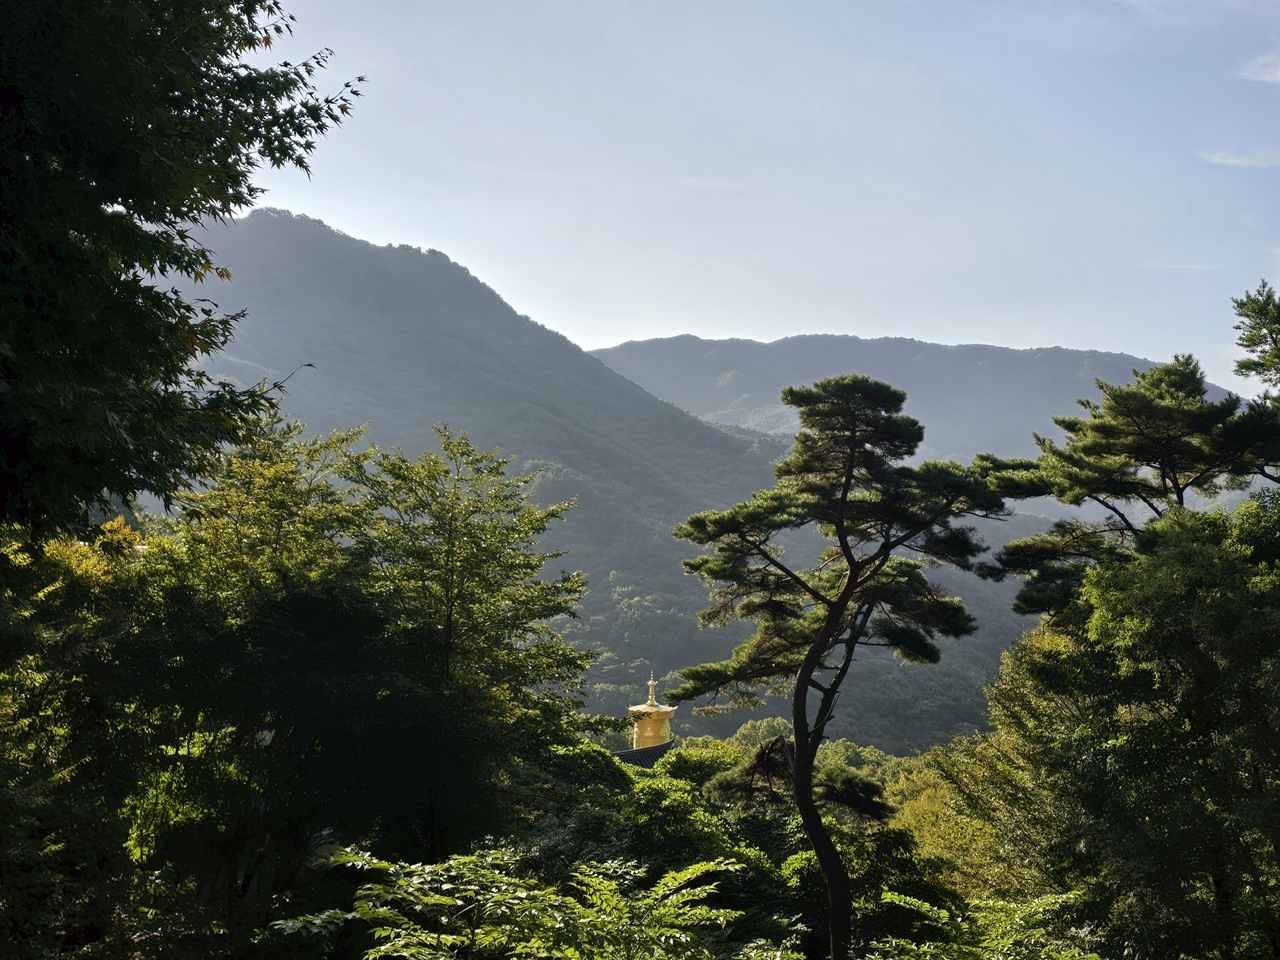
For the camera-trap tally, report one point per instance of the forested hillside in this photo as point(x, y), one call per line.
point(404, 338)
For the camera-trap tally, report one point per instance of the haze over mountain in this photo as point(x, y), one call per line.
point(404, 338)
point(971, 398)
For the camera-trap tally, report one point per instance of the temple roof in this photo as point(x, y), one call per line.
point(644, 757)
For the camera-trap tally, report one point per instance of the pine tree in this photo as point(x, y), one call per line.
point(846, 480)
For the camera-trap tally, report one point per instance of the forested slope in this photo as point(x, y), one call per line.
point(404, 338)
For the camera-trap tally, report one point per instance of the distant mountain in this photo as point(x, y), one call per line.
point(404, 337)
point(970, 398)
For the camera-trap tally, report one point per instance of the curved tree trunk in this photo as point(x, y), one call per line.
point(839, 893)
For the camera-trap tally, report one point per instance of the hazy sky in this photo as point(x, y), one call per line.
point(1098, 175)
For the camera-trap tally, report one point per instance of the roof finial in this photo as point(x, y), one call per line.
point(652, 688)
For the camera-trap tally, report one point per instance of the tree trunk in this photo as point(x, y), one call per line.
point(839, 896)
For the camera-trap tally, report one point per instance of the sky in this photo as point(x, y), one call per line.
point(1097, 175)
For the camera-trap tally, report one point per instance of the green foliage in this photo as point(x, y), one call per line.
point(224, 702)
point(64, 765)
point(698, 760)
point(956, 847)
point(1259, 326)
point(620, 920)
point(753, 733)
point(471, 680)
point(479, 906)
point(981, 813)
point(669, 822)
point(199, 685)
point(877, 859)
point(250, 623)
point(1133, 757)
point(123, 126)
point(991, 931)
point(868, 762)
point(1142, 451)
point(1136, 756)
point(1149, 443)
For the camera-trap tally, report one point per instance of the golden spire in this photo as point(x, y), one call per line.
point(652, 719)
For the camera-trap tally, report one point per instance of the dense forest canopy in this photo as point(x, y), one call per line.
point(333, 702)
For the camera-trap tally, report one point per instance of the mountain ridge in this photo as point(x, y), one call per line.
point(739, 381)
point(404, 338)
